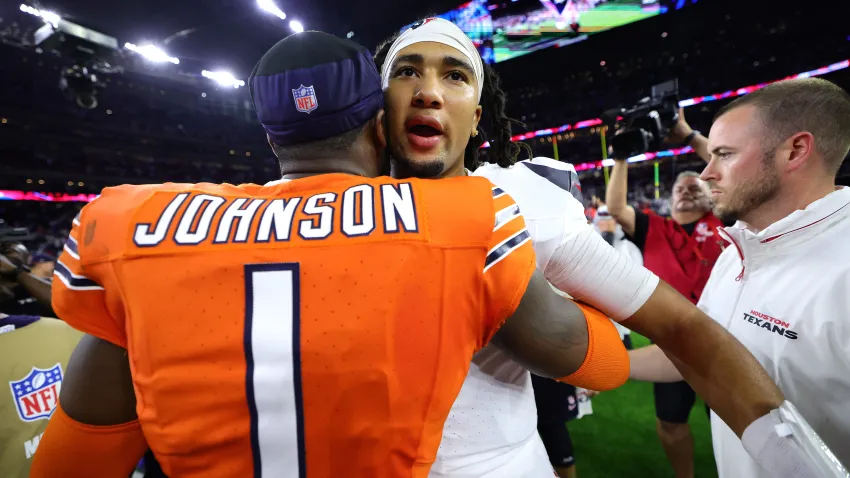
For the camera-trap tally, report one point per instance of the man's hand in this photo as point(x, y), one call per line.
point(680, 130)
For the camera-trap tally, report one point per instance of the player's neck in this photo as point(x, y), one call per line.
point(457, 170)
point(315, 167)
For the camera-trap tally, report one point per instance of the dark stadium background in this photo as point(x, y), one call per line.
point(153, 125)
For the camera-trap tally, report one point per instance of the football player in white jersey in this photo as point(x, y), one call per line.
point(437, 91)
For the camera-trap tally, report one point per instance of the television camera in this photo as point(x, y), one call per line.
point(90, 52)
point(645, 125)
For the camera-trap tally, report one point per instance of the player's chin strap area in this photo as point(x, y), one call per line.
point(785, 446)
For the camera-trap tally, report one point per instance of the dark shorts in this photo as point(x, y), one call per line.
point(673, 401)
point(556, 405)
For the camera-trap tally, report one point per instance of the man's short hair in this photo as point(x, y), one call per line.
point(339, 145)
point(686, 174)
point(809, 104)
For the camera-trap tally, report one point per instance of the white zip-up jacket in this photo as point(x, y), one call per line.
point(784, 292)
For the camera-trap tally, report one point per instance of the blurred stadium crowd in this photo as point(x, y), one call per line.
point(151, 129)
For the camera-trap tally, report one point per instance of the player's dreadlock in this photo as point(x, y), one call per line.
point(495, 125)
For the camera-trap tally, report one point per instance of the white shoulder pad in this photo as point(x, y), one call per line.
point(542, 189)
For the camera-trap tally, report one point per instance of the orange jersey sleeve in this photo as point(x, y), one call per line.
point(509, 263)
point(96, 450)
point(78, 294)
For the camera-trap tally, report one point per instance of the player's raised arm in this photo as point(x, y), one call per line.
point(95, 425)
point(616, 196)
point(550, 335)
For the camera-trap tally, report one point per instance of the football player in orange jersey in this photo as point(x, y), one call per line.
point(317, 326)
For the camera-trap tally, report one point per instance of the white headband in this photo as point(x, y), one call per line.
point(436, 30)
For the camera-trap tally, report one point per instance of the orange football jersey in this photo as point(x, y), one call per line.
point(320, 327)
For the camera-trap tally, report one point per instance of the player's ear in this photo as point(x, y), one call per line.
point(477, 118)
point(381, 129)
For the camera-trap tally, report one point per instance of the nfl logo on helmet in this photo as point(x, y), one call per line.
point(37, 394)
point(305, 99)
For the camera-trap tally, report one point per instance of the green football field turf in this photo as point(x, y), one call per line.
point(609, 16)
point(604, 17)
point(619, 439)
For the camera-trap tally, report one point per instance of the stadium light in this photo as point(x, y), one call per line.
point(46, 15)
point(152, 53)
point(223, 78)
point(296, 26)
point(269, 7)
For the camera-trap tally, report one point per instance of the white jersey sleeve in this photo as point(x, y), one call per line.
point(572, 256)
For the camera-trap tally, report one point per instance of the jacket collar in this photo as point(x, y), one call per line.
point(797, 227)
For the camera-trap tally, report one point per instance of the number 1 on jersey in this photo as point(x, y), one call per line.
point(273, 380)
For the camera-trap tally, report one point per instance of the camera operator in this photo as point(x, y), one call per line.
point(682, 251)
point(21, 291)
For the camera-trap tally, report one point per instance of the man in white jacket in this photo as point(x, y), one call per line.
point(782, 286)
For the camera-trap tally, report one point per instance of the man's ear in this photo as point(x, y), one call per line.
point(477, 119)
point(381, 129)
point(798, 149)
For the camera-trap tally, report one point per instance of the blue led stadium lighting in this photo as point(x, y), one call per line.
point(223, 78)
point(152, 53)
point(268, 6)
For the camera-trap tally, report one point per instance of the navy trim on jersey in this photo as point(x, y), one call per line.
point(71, 246)
point(564, 179)
point(74, 280)
point(506, 215)
point(250, 393)
point(505, 248)
point(249, 373)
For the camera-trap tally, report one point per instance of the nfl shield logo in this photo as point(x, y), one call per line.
point(305, 99)
point(37, 394)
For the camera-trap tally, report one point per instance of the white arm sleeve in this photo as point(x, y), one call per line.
point(786, 446)
point(589, 269)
